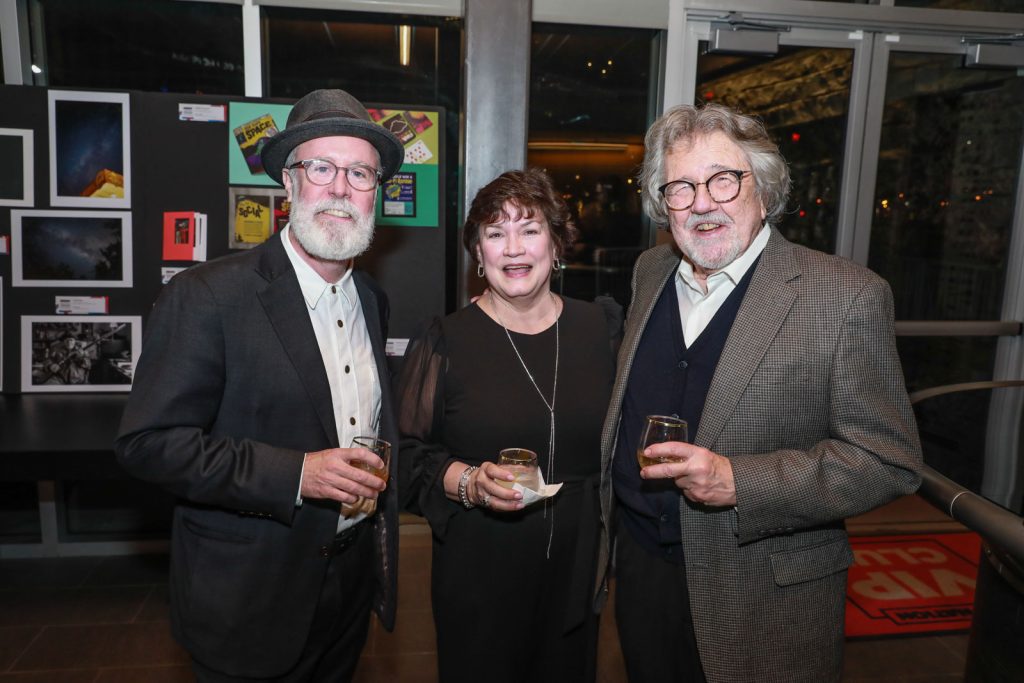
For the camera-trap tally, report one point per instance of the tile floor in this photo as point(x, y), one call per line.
point(104, 620)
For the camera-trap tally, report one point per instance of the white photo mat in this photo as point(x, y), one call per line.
point(27, 197)
point(74, 200)
point(52, 221)
point(103, 357)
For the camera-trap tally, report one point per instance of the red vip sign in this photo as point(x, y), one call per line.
point(911, 584)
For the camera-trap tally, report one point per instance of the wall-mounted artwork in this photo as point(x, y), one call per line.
point(78, 353)
point(255, 213)
point(90, 160)
point(17, 181)
point(71, 248)
point(250, 125)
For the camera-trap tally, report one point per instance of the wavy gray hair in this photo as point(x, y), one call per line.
point(685, 123)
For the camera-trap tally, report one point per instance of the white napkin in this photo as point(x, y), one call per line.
point(544, 490)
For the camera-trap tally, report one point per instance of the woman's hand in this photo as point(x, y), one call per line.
point(485, 489)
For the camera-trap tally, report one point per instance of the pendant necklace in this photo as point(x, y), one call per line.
point(549, 405)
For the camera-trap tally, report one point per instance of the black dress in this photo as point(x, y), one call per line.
point(511, 591)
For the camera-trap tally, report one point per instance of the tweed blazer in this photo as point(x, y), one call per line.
point(809, 404)
point(229, 392)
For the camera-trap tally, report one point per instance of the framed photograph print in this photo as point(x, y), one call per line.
point(90, 160)
point(254, 214)
point(250, 125)
point(17, 182)
point(79, 353)
point(71, 248)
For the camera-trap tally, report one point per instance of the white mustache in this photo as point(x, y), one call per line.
point(694, 220)
point(337, 204)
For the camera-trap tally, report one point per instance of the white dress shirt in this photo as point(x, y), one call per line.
point(340, 328)
point(696, 309)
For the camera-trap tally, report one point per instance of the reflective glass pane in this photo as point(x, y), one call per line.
point(110, 508)
point(157, 45)
point(363, 53)
point(802, 95)
point(955, 434)
point(19, 512)
point(589, 97)
point(947, 175)
point(936, 361)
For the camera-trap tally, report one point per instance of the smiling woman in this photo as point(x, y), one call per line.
point(517, 230)
point(520, 368)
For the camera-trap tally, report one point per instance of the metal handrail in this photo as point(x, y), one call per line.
point(997, 525)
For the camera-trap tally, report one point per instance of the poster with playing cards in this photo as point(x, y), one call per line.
point(417, 131)
point(418, 153)
point(412, 196)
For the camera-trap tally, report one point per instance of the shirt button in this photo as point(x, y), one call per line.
point(334, 290)
point(324, 551)
point(352, 421)
point(341, 324)
point(664, 518)
point(346, 369)
point(682, 365)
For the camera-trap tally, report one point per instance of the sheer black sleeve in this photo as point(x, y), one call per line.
point(423, 456)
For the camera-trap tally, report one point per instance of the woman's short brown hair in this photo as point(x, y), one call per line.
point(529, 191)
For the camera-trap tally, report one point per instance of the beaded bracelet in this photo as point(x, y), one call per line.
point(463, 481)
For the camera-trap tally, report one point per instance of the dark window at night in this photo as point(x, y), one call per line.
point(590, 92)
point(158, 45)
point(362, 53)
point(802, 95)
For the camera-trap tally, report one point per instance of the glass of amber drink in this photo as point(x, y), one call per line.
point(381, 448)
point(660, 429)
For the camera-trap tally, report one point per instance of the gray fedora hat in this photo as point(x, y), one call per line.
point(324, 113)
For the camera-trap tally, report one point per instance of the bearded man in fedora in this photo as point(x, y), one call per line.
point(257, 370)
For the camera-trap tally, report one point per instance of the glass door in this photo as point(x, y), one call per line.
point(941, 212)
point(810, 94)
point(940, 219)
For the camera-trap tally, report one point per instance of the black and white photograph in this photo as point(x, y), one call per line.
point(71, 248)
point(90, 160)
point(17, 187)
point(79, 353)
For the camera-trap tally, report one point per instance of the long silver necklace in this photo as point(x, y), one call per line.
point(549, 405)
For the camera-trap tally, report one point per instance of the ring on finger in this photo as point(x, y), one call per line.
point(487, 500)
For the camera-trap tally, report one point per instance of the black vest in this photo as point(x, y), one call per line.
point(666, 378)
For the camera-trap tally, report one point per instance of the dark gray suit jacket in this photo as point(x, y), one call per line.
point(808, 402)
point(229, 392)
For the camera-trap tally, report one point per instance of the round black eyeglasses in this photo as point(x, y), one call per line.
point(723, 187)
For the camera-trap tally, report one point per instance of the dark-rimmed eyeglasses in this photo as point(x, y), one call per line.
point(723, 187)
point(323, 172)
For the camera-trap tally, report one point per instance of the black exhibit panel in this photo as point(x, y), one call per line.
point(65, 434)
point(182, 166)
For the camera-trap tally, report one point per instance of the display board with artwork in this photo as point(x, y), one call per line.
point(108, 195)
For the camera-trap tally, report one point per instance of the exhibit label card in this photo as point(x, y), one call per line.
point(395, 347)
point(167, 272)
point(82, 305)
point(202, 112)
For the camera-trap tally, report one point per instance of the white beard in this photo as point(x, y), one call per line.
point(331, 243)
point(716, 255)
